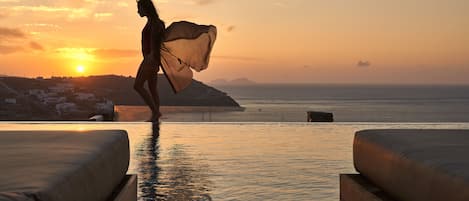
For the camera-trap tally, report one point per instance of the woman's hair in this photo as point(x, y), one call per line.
point(149, 8)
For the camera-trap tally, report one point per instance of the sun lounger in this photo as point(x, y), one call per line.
point(417, 165)
point(65, 166)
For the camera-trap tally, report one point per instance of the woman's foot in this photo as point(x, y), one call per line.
point(155, 117)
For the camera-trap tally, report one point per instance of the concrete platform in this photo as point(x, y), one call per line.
point(127, 190)
point(354, 187)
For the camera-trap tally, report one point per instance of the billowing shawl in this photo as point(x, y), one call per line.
point(186, 46)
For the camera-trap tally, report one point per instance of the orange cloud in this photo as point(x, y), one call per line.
point(9, 42)
point(240, 58)
point(202, 2)
point(6, 33)
point(70, 13)
point(5, 49)
point(115, 53)
point(102, 16)
point(231, 28)
point(96, 54)
point(363, 63)
point(36, 46)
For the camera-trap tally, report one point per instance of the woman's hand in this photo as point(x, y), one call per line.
point(148, 62)
point(152, 57)
point(149, 59)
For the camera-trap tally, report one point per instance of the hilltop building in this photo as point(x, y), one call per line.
point(85, 96)
point(66, 108)
point(10, 100)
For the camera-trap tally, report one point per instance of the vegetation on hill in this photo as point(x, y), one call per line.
point(119, 89)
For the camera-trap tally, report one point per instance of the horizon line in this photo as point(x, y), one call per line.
point(254, 83)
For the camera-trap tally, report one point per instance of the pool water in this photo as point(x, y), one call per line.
point(237, 161)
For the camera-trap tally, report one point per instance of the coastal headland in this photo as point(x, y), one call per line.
point(78, 98)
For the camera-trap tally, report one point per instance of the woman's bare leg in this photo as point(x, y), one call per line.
point(153, 86)
point(143, 76)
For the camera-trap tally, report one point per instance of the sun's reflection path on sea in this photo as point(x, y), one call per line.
point(177, 176)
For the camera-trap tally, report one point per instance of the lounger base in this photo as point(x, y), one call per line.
point(127, 190)
point(354, 187)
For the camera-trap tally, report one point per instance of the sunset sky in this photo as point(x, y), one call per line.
point(281, 41)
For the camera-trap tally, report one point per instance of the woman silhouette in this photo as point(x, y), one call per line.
point(152, 37)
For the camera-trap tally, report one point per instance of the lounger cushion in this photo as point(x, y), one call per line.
point(417, 165)
point(62, 165)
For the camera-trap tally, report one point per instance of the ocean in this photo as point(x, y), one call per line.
point(348, 103)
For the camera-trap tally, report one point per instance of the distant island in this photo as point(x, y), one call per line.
point(235, 82)
point(78, 98)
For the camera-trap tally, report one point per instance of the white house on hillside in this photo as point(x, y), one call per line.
point(85, 96)
point(53, 100)
point(62, 88)
point(38, 93)
point(63, 108)
point(105, 107)
point(10, 100)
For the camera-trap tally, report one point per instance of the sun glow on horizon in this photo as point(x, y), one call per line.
point(80, 69)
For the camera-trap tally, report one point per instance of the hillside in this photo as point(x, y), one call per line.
point(119, 89)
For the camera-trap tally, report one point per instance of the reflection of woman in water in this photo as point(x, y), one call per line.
point(152, 37)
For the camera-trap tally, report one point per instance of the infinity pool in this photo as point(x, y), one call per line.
point(236, 161)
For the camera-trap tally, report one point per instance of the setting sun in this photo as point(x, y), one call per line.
point(80, 69)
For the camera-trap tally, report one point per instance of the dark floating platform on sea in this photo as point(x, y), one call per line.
point(320, 116)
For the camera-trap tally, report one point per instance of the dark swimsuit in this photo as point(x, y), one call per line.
point(146, 39)
point(147, 48)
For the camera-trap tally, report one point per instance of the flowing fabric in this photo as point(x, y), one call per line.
point(186, 46)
